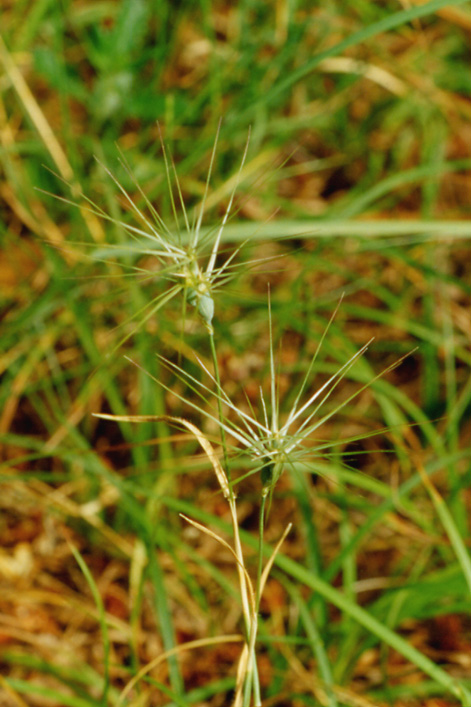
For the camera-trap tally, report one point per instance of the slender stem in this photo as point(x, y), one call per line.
point(218, 384)
point(231, 500)
point(258, 592)
point(249, 608)
point(256, 681)
point(251, 680)
point(261, 529)
point(248, 687)
point(240, 568)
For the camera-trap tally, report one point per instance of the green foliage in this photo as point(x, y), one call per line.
point(356, 173)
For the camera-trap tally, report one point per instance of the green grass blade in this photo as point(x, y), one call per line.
point(102, 619)
point(55, 696)
point(384, 25)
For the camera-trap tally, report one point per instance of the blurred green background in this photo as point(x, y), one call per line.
point(356, 183)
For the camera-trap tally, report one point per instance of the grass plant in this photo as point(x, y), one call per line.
point(197, 288)
point(366, 600)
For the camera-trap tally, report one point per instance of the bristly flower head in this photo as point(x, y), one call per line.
point(271, 442)
point(186, 260)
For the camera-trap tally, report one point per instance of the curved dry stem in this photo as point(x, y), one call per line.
point(181, 422)
point(199, 643)
point(246, 588)
point(225, 544)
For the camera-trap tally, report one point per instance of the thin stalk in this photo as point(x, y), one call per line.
point(250, 618)
point(258, 590)
point(231, 499)
point(221, 419)
point(252, 662)
point(250, 613)
point(248, 686)
point(240, 567)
